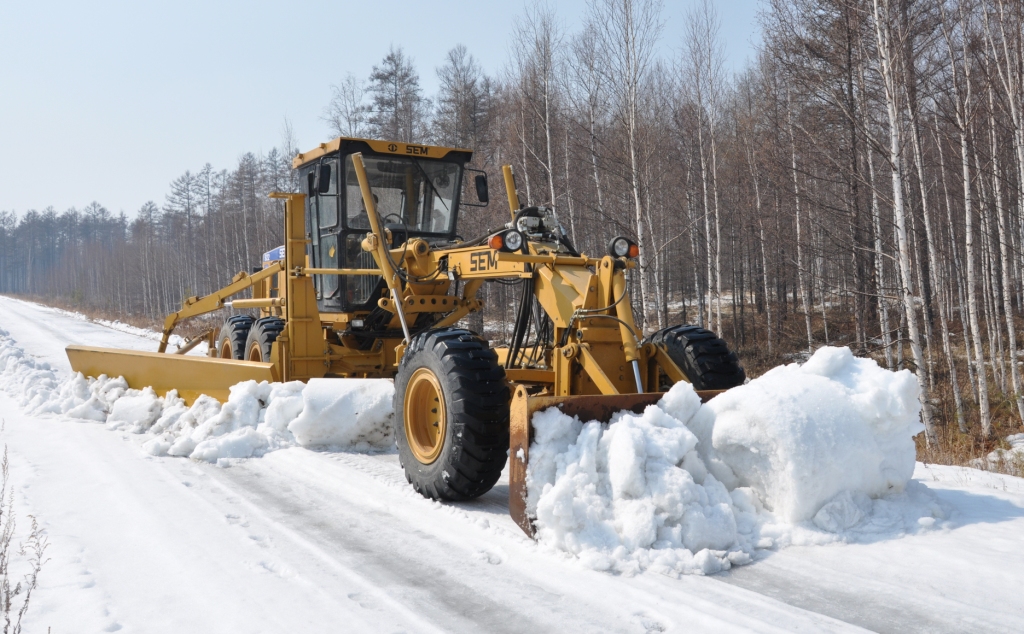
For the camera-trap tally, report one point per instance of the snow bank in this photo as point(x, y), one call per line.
point(1009, 460)
point(802, 434)
point(805, 454)
point(363, 406)
point(257, 417)
point(635, 494)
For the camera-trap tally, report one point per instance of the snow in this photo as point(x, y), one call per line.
point(175, 341)
point(257, 417)
point(345, 413)
point(1009, 460)
point(622, 498)
point(812, 453)
point(317, 538)
point(802, 434)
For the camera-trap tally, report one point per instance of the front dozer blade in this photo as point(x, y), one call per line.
point(190, 375)
point(587, 408)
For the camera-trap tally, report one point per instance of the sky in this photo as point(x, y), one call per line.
point(109, 101)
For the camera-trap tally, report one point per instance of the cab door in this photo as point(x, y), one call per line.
point(325, 221)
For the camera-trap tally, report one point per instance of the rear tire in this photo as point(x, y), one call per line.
point(702, 356)
point(233, 335)
point(261, 337)
point(451, 415)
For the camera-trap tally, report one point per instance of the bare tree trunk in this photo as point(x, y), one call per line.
point(936, 275)
point(889, 80)
point(972, 296)
point(1011, 332)
point(764, 255)
point(631, 29)
point(989, 284)
point(957, 267)
point(707, 221)
point(718, 226)
point(568, 193)
point(593, 162)
point(799, 242)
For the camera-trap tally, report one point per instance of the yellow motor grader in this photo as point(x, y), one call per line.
point(372, 281)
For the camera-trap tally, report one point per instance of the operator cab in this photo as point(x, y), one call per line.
point(416, 189)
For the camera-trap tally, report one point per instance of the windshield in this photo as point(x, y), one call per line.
point(419, 194)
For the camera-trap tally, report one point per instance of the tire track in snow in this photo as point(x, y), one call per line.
point(400, 560)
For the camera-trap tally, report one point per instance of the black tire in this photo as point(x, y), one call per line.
point(233, 335)
point(471, 446)
point(702, 356)
point(262, 335)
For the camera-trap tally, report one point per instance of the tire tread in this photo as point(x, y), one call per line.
point(477, 415)
point(702, 356)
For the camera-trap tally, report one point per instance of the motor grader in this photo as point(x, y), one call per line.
point(372, 282)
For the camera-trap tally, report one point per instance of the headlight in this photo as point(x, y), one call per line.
point(623, 247)
point(513, 240)
point(510, 240)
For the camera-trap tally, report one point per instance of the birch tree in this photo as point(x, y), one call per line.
point(887, 41)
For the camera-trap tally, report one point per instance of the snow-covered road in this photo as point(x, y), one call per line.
point(309, 541)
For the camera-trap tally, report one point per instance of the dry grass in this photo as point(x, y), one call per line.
point(15, 597)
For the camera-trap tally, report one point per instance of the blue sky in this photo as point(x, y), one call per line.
point(111, 100)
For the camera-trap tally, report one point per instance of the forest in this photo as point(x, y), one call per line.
point(859, 183)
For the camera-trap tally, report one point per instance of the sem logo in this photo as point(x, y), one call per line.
point(482, 260)
point(416, 149)
point(392, 148)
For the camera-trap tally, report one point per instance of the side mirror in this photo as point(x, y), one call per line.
point(481, 187)
point(324, 183)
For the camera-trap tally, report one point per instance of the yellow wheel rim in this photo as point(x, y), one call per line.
point(225, 349)
point(255, 352)
point(425, 418)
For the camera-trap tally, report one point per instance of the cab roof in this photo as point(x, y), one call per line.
point(383, 147)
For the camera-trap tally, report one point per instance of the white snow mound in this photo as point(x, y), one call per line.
point(796, 456)
point(801, 434)
point(257, 417)
point(1010, 461)
point(357, 416)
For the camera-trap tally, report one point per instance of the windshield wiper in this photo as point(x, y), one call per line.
point(431, 183)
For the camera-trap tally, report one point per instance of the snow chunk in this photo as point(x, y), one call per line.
point(241, 443)
point(800, 435)
point(1009, 461)
point(345, 413)
point(618, 496)
point(136, 411)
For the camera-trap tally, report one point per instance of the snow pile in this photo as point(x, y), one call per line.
point(357, 416)
point(802, 434)
point(1009, 460)
point(258, 417)
point(636, 494)
point(807, 453)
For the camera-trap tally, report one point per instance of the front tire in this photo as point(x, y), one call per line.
point(703, 357)
point(233, 335)
point(262, 336)
point(451, 415)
